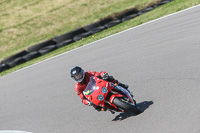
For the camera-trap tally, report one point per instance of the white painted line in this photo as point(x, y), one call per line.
point(12, 131)
point(111, 36)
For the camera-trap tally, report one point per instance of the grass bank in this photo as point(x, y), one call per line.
point(161, 11)
point(25, 23)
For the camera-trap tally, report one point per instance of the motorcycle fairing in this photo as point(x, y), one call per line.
point(124, 91)
point(93, 90)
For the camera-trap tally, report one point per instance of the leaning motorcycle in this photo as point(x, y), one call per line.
point(110, 96)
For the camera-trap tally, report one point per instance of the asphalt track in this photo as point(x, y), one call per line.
point(159, 61)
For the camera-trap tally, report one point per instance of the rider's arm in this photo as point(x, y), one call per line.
point(103, 75)
point(79, 92)
point(96, 74)
point(83, 99)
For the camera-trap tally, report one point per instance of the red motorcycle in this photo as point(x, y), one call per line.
point(110, 96)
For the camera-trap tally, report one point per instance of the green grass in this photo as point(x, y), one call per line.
point(25, 23)
point(161, 11)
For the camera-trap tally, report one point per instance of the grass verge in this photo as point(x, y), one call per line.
point(161, 11)
point(25, 23)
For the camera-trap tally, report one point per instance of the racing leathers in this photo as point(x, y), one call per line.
point(80, 87)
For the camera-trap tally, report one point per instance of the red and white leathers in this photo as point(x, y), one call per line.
point(80, 87)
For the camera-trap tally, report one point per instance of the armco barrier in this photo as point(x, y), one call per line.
point(75, 35)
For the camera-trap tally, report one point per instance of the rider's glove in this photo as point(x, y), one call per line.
point(90, 103)
point(105, 76)
point(108, 78)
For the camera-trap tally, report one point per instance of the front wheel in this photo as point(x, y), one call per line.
point(126, 106)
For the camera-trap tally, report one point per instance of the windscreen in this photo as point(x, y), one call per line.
point(90, 87)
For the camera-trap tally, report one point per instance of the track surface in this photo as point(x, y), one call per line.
point(159, 61)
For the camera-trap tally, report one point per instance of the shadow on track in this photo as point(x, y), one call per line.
point(143, 106)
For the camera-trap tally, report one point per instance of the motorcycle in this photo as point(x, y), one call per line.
point(110, 96)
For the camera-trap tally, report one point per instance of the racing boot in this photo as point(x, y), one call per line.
point(113, 112)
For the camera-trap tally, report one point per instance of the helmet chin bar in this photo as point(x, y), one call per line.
point(84, 81)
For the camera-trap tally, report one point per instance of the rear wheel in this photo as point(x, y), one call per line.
point(120, 103)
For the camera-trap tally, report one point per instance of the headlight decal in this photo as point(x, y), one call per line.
point(104, 90)
point(100, 97)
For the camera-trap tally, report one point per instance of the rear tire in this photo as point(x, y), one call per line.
point(126, 106)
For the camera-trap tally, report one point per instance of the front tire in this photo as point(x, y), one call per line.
point(126, 106)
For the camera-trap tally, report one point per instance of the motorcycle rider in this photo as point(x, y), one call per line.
point(82, 78)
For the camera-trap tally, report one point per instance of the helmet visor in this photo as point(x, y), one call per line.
point(78, 77)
